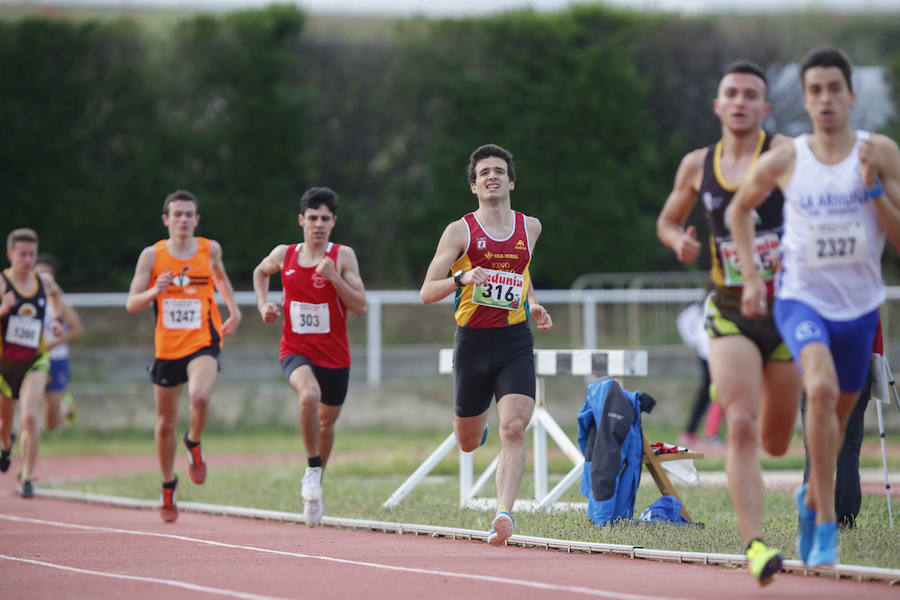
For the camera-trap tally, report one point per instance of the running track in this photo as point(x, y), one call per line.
point(54, 548)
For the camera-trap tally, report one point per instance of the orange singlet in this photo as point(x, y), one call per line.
point(187, 317)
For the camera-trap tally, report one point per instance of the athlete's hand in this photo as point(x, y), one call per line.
point(57, 329)
point(326, 269)
point(163, 281)
point(868, 163)
point(229, 327)
point(476, 276)
point(688, 248)
point(541, 317)
point(269, 311)
point(754, 299)
point(7, 303)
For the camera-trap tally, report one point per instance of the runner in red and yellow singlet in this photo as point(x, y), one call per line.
point(487, 254)
point(320, 281)
point(179, 277)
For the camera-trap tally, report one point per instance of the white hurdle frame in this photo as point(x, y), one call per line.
point(618, 363)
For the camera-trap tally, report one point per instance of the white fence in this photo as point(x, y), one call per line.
point(585, 301)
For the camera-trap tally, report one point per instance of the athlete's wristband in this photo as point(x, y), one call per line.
point(876, 191)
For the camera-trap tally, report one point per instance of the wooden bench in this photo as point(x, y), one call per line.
point(654, 465)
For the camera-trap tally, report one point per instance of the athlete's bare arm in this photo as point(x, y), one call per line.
point(68, 327)
point(451, 246)
point(346, 279)
point(541, 315)
point(139, 294)
point(224, 287)
point(271, 264)
point(879, 157)
point(670, 223)
point(774, 169)
point(7, 299)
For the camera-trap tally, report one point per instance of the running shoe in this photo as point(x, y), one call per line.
point(825, 545)
point(502, 528)
point(196, 461)
point(168, 508)
point(5, 460)
point(26, 490)
point(807, 519)
point(312, 484)
point(312, 512)
point(70, 408)
point(763, 562)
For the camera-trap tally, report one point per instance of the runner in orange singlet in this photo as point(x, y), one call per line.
point(179, 277)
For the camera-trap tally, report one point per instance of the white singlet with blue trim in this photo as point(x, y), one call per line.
point(833, 238)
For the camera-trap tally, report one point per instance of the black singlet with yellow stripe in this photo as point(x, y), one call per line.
point(716, 195)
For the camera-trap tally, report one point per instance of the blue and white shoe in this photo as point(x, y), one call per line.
point(825, 546)
point(502, 528)
point(807, 525)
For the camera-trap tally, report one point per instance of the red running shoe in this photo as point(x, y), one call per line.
point(168, 508)
point(196, 461)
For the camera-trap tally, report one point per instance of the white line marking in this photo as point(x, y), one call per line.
point(488, 578)
point(179, 584)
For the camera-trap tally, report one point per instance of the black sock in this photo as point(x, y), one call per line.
point(314, 461)
point(189, 443)
point(171, 485)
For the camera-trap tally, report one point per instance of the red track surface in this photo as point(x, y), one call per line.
point(52, 549)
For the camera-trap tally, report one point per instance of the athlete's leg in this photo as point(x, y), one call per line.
point(309, 396)
point(470, 430)
point(780, 402)
point(328, 416)
point(52, 405)
point(822, 426)
point(514, 413)
point(166, 421)
point(202, 373)
point(736, 367)
point(30, 396)
point(7, 414)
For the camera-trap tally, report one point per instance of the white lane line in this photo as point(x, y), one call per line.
point(487, 578)
point(170, 582)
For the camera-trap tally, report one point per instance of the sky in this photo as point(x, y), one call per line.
point(445, 8)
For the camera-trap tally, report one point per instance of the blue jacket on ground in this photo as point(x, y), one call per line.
point(611, 439)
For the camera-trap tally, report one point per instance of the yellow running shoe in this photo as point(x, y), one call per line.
point(763, 562)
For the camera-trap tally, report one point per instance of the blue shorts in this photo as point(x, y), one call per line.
point(850, 342)
point(60, 374)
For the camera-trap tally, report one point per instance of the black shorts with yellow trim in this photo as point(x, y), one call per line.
point(724, 318)
point(13, 372)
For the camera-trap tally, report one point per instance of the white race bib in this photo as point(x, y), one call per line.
point(23, 331)
point(181, 313)
point(310, 318)
point(502, 290)
point(836, 243)
point(765, 255)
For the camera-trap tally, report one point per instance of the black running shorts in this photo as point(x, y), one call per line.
point(332, 382)
point(169, 373)
point(491, 363)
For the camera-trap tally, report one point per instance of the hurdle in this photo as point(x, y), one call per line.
point(596, 363)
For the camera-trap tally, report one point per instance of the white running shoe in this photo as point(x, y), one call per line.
point(502, 528)
point(312, 512)
point(312, 484)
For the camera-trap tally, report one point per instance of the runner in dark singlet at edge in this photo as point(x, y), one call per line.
point(750, 367)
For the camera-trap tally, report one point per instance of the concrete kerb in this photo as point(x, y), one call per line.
point(840, 571)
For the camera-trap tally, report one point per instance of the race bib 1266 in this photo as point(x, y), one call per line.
point(23, 331)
